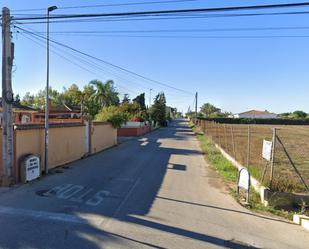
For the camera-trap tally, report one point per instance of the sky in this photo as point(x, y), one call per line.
point(235, 74)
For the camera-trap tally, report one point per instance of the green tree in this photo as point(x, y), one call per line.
point(38, 100)
point(125, 99)
point(28, 99)
point(207, 109)
point(299, 114)
point(89, 100)
point(106, 93)
point(140, 99)
point(17, 99)
point(158, 109)
point(112, 114)
point(73, 95)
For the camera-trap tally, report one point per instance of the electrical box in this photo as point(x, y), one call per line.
point(30, 168)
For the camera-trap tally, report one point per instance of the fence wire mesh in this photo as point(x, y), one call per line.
point(245, 144)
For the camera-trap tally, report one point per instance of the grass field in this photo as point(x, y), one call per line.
point(245, 142)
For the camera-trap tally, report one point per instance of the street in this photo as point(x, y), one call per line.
point(154, 191)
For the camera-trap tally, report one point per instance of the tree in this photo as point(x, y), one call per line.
point(28, 99)
point(209, 109)
point(38, 100)
point(125, 99)
point(90, 103)
point(106, 93)
point(73, 95)
point(112, 114)
point(140, 99)
point(17, 99)
point(158, 109)
point(299, 114)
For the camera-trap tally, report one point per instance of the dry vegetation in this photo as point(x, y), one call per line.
point(234, 139)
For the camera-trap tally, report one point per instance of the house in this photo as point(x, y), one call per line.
point(63, 113)
point(170, 112)
point(21, 114)
point(255, 114)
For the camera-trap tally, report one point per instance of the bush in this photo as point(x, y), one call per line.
point(259, 121)
point(112, 114)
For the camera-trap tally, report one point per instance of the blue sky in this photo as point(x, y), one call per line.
point(234, 74)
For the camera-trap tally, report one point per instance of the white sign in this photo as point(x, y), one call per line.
point(244, 179)
point(32, 168)
point(267, 148)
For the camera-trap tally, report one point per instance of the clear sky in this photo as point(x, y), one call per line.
point(236, 74)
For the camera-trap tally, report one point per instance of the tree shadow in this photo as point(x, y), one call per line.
point(133, 173)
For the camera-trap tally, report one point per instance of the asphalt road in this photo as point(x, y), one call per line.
point(150, 192)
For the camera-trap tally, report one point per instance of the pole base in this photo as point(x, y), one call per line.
point(7, 181)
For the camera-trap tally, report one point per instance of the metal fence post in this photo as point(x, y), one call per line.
point(225, 137)
point(272, 162)
point(233, 141)
point(248, 147)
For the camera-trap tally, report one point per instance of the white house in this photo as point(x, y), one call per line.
point(255, 114)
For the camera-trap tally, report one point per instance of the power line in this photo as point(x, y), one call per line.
point(166, 17)
point(177, 30)
point(162, 12)
point(108, 63)
point(196, 37)
point(110, 5)
point(200, 37)
point(74, 63)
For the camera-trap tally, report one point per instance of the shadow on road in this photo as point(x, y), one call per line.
point(152, 163)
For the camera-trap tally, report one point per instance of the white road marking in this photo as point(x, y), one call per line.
point(70, 191)
point(43, 215)
point(107, 223)
point(98, 198)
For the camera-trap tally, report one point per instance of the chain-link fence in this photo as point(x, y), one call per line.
point(288, 168)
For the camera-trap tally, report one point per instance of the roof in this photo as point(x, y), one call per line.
point(255, 112)
point(64, 108)
point(20, 107)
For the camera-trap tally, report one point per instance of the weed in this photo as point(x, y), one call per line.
point(230, 175)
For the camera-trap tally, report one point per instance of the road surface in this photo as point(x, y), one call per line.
point(154, 191)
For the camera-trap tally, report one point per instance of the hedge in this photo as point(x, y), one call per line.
point(259, 121)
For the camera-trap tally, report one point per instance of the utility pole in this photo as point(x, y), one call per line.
point(150, 97)
point(49, 9)
point(196, 95)
point(7, 94)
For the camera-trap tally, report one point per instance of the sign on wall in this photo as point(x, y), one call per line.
point(267, 148)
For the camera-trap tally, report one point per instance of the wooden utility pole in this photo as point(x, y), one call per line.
point(7, 94)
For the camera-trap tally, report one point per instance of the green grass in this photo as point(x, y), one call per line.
point(217, 160)
point(230, 175)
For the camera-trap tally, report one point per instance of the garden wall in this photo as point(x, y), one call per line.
point(67, 143)
point(103, 135)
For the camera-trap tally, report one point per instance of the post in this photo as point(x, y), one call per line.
point(47, 99)
point(150, 97)
point(272, 162)
point(7, 94)
point(196, 95)
point(248, 148)
point(49, 9)
point(233, 141)
point(225, 138)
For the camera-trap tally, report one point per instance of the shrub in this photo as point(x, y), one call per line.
point(112, 114)
point(278, 121)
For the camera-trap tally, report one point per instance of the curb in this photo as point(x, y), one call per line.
point(301, 220)
point(258, 187)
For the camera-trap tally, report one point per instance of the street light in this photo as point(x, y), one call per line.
point(150, 97)
point(49, 9)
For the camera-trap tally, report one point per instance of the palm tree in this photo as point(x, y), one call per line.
point(105, 94)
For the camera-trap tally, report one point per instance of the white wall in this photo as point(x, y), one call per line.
point(270, 115)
